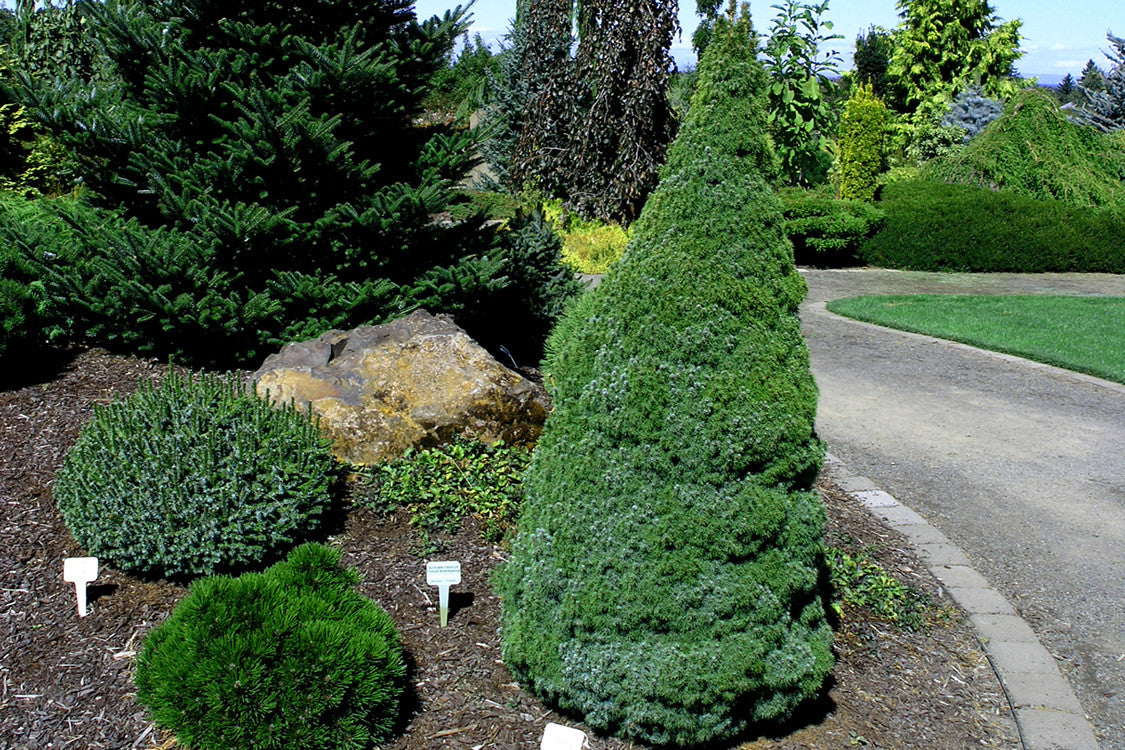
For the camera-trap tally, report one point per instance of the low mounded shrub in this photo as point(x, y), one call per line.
point(293, 657)
point(668, 579)
point(194, 477)
point(933, 226)
point(825, 231)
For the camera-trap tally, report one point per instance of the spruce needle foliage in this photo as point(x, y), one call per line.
point(293, 657)
point(665, 582)
point(194, 477)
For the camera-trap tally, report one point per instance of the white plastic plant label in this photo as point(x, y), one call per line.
point(558, 737)
point(443, 575)
point(80, 571)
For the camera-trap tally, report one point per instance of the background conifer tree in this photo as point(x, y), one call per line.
point(256, 173)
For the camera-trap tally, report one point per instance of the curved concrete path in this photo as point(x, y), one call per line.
point(1021, 466)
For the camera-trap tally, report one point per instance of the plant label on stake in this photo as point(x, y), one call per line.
point(80, 571)
point(558, 737)
point(443, 575)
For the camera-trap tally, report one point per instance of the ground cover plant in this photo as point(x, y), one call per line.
point(1083, 334)
point(194, 477)
point(291, 657)
point(442, 485)
point(666, 581)
point(932, 226)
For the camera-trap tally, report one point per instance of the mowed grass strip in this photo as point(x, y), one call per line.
point(1084, 334)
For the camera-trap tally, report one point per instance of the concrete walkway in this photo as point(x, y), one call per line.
point(1020, 466)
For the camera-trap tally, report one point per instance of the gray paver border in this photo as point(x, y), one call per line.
point(1046, 710)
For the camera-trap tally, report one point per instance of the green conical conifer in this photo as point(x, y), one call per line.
point(665, 582)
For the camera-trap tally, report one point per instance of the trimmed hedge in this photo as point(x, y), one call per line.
point(827, 232)
point(191, 478)
point(665, 583)
point(293, 657)
point(933, 226)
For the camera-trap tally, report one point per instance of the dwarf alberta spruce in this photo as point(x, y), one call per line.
point(194, 477)
point(667, 582)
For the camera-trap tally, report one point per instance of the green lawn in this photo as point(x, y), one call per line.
point(1085, 334)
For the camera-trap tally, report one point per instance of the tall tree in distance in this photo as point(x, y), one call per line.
point(1066, 89)
point(800, 117)
point(1091, 78)
point(871, 56)
point(942, 46)
point(1105, 108)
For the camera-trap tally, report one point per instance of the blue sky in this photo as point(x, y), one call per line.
point(1059, 37)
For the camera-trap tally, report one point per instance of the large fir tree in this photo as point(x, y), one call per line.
point(267, 174)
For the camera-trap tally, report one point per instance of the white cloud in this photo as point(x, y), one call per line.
point(1069, 64)
point(1061, 47)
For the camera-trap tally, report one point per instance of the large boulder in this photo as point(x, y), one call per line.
point(417, 381)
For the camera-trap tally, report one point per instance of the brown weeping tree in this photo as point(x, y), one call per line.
point(624, 64)
point(597, 120)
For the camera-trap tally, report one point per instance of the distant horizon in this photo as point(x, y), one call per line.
point(1054, 43)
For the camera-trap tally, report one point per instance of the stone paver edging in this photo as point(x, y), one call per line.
point(1047, 712)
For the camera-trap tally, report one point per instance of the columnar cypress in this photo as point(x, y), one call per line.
point(665, 583)
point(862, 131)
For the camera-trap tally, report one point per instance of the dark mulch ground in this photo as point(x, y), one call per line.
point(65, 681)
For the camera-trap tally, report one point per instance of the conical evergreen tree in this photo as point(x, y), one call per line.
point(267, 174)
point(665, 580)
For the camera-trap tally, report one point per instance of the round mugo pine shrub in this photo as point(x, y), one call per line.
point(293, 657)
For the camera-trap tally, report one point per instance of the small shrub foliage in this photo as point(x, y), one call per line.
point(931, 226)
point(193, 477)
point(293, 657)
point(664, 583)
point(862, 133)
point(827, 232)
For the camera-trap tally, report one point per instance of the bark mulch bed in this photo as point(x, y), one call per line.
point(65, 682)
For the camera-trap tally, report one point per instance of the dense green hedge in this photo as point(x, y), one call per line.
point(826, 231)
point(933, 226)
point(665, 580)
point(293, 657)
